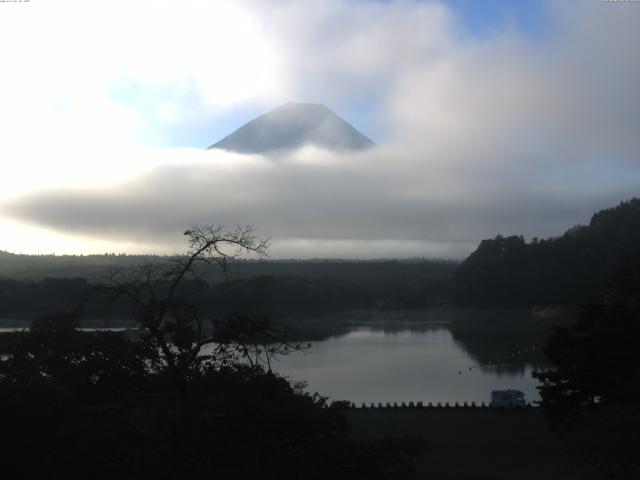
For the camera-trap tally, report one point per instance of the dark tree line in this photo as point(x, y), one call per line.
point(591, 395)
point(571, 269)
point(596, 361)
point(274, 288)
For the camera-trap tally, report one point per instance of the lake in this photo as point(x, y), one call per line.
point(431, 356)
point(436, 355)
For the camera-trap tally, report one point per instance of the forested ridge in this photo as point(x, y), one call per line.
point(570, 269)
point(273, 287)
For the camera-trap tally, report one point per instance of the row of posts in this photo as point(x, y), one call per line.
point(345, 405)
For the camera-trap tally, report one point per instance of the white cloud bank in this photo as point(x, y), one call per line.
point(493, 135)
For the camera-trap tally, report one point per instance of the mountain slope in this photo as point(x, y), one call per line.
point(571, 269)
point(294, 125)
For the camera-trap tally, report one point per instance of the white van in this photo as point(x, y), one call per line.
point(507, 399)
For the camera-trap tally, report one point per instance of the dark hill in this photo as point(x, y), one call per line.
point(570, 269)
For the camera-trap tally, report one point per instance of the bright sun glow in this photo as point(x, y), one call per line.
point(78, 90)
point(110, 69)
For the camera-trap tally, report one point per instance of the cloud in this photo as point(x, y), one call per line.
point(317, 203)
point(570, 95)
point(335, 49)
point(501, 134)
point(93, 72)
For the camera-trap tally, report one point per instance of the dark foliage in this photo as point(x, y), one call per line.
point(20, 299)
point(95, 404)
point(55, 379)
point(571, 269)
point(160, 405)
point(276, 288)
point(596, 362)
point(608, 440)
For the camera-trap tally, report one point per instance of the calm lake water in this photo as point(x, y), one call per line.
point(430, 360)
point(451, 355)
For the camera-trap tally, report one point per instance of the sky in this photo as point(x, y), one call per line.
point(493, 117)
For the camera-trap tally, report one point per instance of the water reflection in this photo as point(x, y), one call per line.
point(432, 356)
point(448, 355)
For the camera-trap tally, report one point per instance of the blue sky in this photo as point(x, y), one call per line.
point(487, 17)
